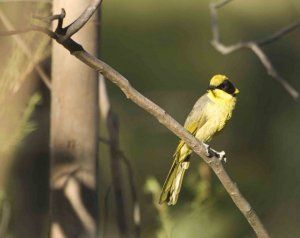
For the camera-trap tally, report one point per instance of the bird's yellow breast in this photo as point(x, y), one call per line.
point(220, 110)
point(218, 115)
point(217, 112)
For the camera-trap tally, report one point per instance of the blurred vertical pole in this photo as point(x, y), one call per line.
point(74, 133)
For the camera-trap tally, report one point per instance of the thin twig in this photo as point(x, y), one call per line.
point(253, 46)
point(112, 124)
point(50, 19)
point(166, 120)
point(222, 3)
point(82, 19)
point(105, 109)
point(271, 70)
point(133, 189)
point(24, 47)
point(278, 34)
point(106, 205)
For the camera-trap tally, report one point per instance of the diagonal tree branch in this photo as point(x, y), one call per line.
point(254, 46)
point(178, 130)
point(166, 120)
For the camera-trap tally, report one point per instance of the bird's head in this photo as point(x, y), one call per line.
point(220, 87)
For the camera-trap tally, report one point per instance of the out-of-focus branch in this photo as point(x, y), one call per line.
point(112, 123)
point(133, 189)
point(116, 156)
point(116, 171)
point(165, 119)
point(254, 46)
point(136, 214)
point(44, 30)
point(278, 34)
point(69, 179)
point(49, 19)
point(105, 210)
point(72, 192)
point(24, 47)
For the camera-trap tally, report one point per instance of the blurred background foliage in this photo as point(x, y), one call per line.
point(163, 48)
point(24, 106)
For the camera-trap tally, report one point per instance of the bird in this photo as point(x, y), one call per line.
point(208, 117)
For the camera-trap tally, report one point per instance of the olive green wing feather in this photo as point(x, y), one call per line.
point(195, 120)
point(171, 188)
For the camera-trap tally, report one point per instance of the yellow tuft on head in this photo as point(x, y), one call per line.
point(217, 80)
point(220, 88)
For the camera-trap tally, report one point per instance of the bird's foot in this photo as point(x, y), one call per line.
point(221, 155)
point(208, 150)
point(211, 152)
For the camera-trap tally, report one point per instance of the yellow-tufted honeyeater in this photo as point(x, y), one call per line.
point(208, 117)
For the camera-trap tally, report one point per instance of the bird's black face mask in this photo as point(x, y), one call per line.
point(225, 86)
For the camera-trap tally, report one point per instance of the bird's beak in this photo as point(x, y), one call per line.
point(210, 87)
point(236, 91)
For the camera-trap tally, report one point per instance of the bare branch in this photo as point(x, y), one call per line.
point(253, 46)
point(82, 19)
point(278, 34)
point(50, 19)
point(106, 208)
point(133, 188)
point(136, 205)
point(112, 123)
point(271, 70)
point(222, 3)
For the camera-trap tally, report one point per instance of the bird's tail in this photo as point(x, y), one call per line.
point(172, 185)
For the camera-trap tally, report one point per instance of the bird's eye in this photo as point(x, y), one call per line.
point(222, 86)
point(227, 87)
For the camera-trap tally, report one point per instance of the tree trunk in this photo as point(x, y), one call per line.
point(74, 133)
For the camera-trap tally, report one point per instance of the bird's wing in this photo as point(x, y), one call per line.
point(197, 115)
point(193, 130)
point(196, 119)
